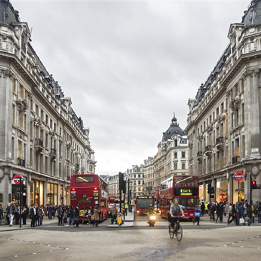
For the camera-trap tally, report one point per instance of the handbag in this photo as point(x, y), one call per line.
point(241, 221)
point(92, 217)
point(197, 214)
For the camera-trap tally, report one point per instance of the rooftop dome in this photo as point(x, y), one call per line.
point(173, 129)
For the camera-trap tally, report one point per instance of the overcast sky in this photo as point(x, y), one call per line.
point(129, 65)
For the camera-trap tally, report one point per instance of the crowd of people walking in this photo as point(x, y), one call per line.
point(241, 213)
point(65, 215)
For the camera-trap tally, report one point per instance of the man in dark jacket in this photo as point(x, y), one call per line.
point(240, 212)
point(249, 214)
point(33, 215)
point(202, 209)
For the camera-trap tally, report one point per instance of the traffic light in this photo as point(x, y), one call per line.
point(211, 190)
point(209, 185)
point(253, 184)
point(121, 181)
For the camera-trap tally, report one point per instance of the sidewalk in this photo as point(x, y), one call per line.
point(128, 222)
point(206, 219)
point(46, 221)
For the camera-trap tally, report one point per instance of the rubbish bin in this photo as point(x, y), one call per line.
point(130, 208)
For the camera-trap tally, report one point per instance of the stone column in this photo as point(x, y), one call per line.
point(255, 114)
point(58, 194)
point(204, 191)
point(213, 184)
point(28, 189)
point(229, 188)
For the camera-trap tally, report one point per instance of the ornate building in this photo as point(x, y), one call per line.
point(42, 139)
point(224, 118)
point(171, 158)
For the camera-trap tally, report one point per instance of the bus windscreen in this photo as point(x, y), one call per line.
point(144, 203)
point(184, 181)
point(84, 179)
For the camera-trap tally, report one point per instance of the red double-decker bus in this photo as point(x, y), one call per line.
point(89, 190)
point(185, 188)
point(143, 203)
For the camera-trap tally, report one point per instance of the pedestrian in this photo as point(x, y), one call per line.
point(226, 212)
point(96, 216)
point(41, 214)
point(213, 210)
point(232, 214)
point(33, 215)
point(197, 215)
point(10, 213)
point(37, 217)
point(24, 215)
point(70, 216)
point(60, 215)
point(259, 213)
point(7, 216)
point(249, 214)
point(50, 209)
point(16, 214)
point(241, 214)
point(219, 206)
point(126, 207)
point(86, 216)
point(202, 208)
point(114, 213)
point(1, 212)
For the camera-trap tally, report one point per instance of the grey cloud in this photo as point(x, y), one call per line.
point(128, 65)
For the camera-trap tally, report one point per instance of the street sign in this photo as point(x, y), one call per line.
point(239, 176)
point(17, 178)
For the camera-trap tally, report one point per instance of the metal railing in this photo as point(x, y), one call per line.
point(21, 162)
point(219, 140)
point(38, 142)
point(199, 154)
point(208, 148)
point(235, 159)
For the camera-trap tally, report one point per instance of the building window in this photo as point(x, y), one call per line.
point(21, 91)
point(14, 114)
point(175, 143)
point(51, 123)
point(46, 119)
point(46, 140)
point(183, 165)
point(175, 165)
point(243, 112)
point(183, 154)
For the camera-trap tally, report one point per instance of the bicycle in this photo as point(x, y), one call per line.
point(177, 231)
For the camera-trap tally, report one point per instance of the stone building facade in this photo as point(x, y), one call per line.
point(42, 139)
point(135, 177)
point(171, 159)
point(224, 118)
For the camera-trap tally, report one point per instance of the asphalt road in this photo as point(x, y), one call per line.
point(140, 242)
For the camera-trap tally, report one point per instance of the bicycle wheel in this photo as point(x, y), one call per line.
point(179, 233)
point(171, 233)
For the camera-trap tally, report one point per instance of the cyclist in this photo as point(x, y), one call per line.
point(150, 212)
point(175, 211)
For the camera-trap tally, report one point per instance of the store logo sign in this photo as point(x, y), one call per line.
point(239, 176)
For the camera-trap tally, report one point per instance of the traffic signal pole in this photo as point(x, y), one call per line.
point(21, 185)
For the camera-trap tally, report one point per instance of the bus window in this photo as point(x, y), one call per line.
point(84, 179)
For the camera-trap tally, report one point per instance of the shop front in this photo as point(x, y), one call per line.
point(37, 193)
point(200, 192)
point(61, 195)
point(52, 194)
point(16, 187)
point(221, 189)
point(238, 187)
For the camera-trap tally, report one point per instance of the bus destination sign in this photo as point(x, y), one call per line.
point(193, 192)
point(145, 196)
point(185, 192)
